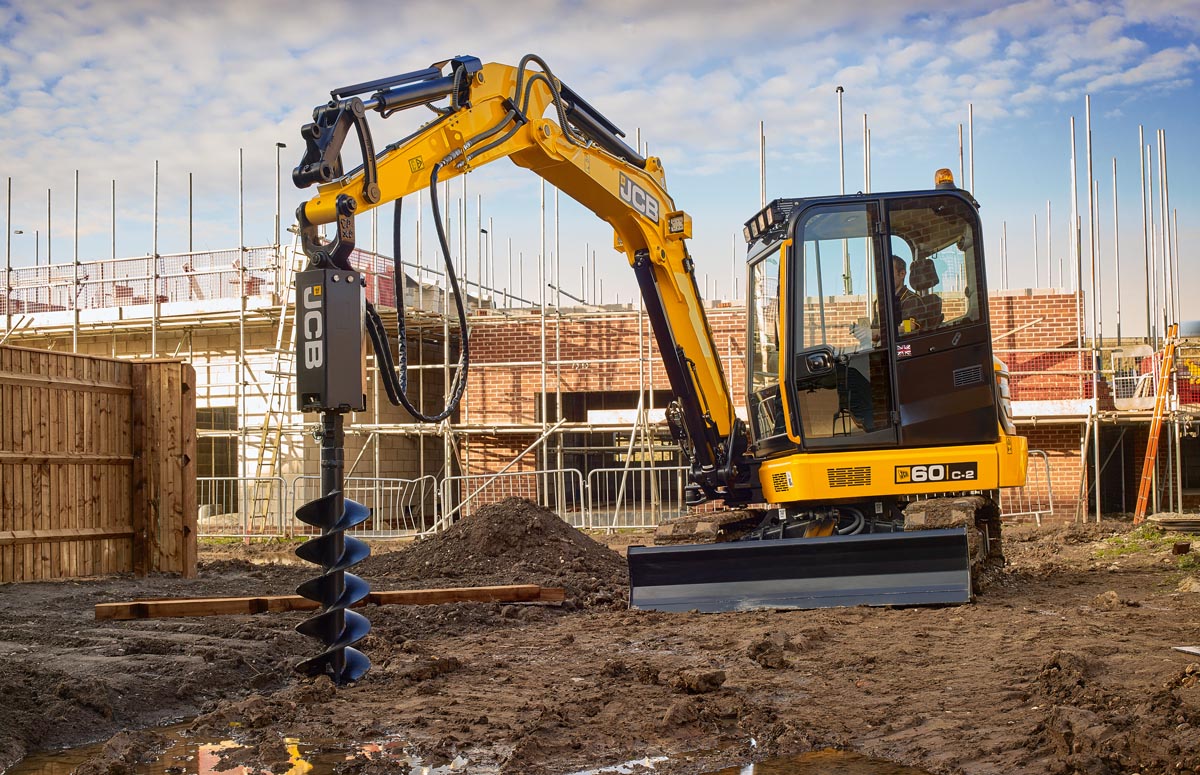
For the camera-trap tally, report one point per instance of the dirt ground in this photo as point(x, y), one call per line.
point(1064, 665)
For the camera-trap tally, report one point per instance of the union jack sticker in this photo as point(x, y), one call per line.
point(903, 350)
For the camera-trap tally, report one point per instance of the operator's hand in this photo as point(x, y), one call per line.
point(861, 332)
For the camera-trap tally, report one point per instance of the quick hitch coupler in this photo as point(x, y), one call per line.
point(330, 375)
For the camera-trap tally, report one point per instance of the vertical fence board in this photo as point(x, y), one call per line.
point(7, 494)
point(187, 431)
point(25, 515)
point(140, 506)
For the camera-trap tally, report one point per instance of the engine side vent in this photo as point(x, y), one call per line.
point(859, 476)
point(782, 481)
point(971, 375)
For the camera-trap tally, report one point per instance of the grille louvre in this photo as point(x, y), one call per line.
point(971, 375)
point(858, 476)
point(782, 481)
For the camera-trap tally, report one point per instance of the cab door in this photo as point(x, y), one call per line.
point(837, 376)
point(945, 385)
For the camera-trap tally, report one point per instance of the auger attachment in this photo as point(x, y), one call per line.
point(329, 379)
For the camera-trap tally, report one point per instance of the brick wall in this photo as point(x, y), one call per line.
point(604, 353)
point(600, 353)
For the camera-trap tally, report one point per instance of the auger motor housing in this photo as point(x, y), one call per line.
point(330, 346)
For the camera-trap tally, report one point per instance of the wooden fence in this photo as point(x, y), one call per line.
point(97, 472)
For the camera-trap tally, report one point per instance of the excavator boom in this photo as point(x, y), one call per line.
point(498, 111)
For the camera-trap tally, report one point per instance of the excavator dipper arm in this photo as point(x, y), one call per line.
point(497, 111)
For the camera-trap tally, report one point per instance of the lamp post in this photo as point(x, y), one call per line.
point(278, 148)
point(36, 245)
point(483, 246)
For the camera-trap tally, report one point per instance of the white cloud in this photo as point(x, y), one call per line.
point(1162, 66)
point(109, 87)
point(977, 46)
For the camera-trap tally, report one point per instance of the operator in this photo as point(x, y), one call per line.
point(854, 387)
point(906, 308)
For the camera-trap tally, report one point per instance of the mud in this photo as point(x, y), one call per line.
point(1063, 665)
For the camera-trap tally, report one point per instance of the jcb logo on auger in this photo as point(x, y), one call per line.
point(314, 328)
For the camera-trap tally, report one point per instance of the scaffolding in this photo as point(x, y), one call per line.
point(188, 305)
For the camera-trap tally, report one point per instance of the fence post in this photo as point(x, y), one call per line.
point(163, 507)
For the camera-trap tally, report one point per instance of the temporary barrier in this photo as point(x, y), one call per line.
point(635, 497)
point(1036, 498)
point(560, 490)
point(242, 506)
point(397, 507)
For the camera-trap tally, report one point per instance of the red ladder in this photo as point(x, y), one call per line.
point(1160, 407)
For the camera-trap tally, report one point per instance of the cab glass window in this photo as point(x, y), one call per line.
point(936, 273)
point(766, 411)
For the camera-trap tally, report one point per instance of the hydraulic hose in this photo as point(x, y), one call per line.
point(395, 380)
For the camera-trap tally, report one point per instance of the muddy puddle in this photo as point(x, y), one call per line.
point(193, 757)
point(828, 762)
point(201, 757)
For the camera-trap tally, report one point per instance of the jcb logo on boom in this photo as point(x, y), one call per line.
point(638, 198)
point(313, 324)
point(937, 472)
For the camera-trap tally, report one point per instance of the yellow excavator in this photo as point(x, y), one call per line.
point(875, 434)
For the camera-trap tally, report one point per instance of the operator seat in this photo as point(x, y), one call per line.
point(925, 307)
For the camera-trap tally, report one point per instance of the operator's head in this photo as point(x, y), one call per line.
point(899, 271)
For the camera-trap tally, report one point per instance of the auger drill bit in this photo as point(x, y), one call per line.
point(335, 589)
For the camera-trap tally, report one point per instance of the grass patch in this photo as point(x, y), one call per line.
point(1145, 538)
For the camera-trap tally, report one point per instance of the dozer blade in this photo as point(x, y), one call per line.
point(920, 567)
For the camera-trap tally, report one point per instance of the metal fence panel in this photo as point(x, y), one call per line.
point(560, 490)
point(399, 507)
point(1036, 498)
point(241, 506)
point(638, 497)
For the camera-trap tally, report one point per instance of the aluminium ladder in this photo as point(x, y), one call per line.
point(277, 402)
point(1160, 404)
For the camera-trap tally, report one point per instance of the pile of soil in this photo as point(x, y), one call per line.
point(514, 541)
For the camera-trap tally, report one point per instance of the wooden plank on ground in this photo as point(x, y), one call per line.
point(224, 606)
point(517, 593)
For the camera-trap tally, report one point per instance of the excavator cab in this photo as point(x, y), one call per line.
point(865, 330)
point(870, 387)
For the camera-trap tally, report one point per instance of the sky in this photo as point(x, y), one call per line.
point(107, 89)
